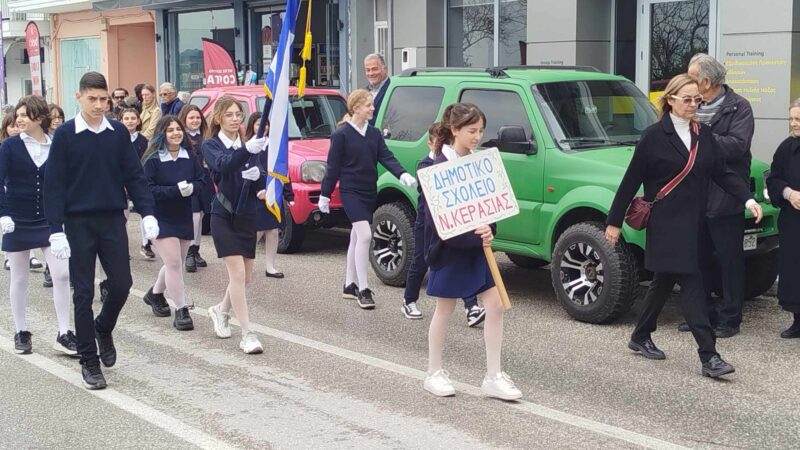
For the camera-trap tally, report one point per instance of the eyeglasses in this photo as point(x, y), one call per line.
point(119, 97)
point(236, 115)
point(164, 94)
point(688, 100)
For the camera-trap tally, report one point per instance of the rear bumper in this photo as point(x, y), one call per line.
point(765, 245)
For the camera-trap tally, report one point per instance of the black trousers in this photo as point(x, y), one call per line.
point(93, 236)
point(724, 246)
point(693, 305)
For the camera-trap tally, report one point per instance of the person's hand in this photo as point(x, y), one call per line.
point(324, 205)
point(794, 199)
point(407, 179)
point(612, 235)
point(485, 232)
point(150, 225)
point(6, 225)
point(262, 194)
point(256, 145)
point(755, 208)
point(59, 246)
point(252, 173)
point(185, 188)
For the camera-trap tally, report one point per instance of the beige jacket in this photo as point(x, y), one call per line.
point(150, 118)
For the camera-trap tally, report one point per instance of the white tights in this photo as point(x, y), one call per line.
point(240, 272)
point(271, 245)
point(197, 220)
point(492, 331)
point(18, 289)
point(170, 278)
point(141, 231)
point(358, 254)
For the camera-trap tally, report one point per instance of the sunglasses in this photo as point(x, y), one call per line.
point(119, 97)
point(688, 100)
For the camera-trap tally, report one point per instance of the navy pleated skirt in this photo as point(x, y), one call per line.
point(462, 278)
point(27, 235)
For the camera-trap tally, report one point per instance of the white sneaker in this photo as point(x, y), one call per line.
point(221, 321)
point(250, 343)
point(500, 386)
point(410, 311)
point(439, 384)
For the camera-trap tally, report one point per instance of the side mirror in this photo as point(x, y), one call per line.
point(514, 140)
point(387, 133)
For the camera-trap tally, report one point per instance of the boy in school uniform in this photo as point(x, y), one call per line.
point(92, 163)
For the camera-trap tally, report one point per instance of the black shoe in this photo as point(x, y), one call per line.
point(365, 300)
point(158, 303)
point(197, 258)
point(792, 332)
point(147, 251)
point(34, 263)
point(726, 332)
point(92, 375)
point(350, 291)
point(190, 263)
point(67, 343)
point(716, 367)
point(105, 348)
point(22, 343)
point(48, 280)
point(183, 321)
point(683, 327)
point(475, 316)
point(647, 349)
point(104, 291)
point(277, 275)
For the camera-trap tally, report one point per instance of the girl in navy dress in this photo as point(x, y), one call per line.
point(234, 169)
point(356, 149)
point(458, 267)
point(174, 174)
point(133, 122)
point(23, 159)
point(196, 128)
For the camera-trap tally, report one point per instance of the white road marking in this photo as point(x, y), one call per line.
point(126, 403)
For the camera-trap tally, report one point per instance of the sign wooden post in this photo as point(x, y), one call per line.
point(466, 193)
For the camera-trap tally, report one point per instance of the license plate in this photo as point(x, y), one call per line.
point(750, 242)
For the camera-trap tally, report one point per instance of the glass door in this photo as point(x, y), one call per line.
point(669, 33)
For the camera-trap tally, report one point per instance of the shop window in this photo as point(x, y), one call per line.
point(679, 30)
point(475, 40)
point(411, 110)
point(502, 109)
point(192, 28)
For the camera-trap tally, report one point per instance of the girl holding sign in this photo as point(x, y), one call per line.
point(458, 267)
point(356, 149)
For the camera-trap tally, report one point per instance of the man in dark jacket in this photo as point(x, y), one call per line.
point(378, 78)
point(170, 103)
point(731, 120)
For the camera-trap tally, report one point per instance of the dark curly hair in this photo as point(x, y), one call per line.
point(455, 116)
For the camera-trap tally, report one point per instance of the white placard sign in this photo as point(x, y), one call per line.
point(468, 192)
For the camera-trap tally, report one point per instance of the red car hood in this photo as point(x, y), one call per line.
point(308, 149)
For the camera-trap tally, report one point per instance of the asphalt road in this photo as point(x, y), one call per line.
point(334, 376)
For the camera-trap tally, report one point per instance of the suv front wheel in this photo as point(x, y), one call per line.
point(594, 282)
point(291, 235)
point(392, 247)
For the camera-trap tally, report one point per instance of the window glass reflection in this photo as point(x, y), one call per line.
point(192, 28)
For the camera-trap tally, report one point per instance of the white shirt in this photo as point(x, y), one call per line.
point(39, 151)
point(193, 132)
point(362, 131)
point(682, 128)
point(229, 143)
point(164, 156)
point(81, 125)
point(448, 152)
point(134, 135)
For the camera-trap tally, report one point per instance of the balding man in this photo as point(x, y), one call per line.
point(378, 78)
point(170, 103)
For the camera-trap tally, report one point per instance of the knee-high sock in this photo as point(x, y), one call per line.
point(18, 288)
point(361, 252)
point(197, 221)
point(170, 277)
point(350, 275)
point(271, 245)
point(493, 331)
point(59, 272)
point(437, 331)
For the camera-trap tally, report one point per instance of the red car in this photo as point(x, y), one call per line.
point(311, 123)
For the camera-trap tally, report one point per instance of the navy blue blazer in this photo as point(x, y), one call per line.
point(22, 196)
point(173, 108)
point(378, 100)
point(226, 166)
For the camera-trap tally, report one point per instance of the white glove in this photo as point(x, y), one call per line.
point(407, 179)
point(150, 225)
point(59, 246)
point(324, 205)
point(185, 188)
point(6, 225)
point(256, 145)
point(252, 173)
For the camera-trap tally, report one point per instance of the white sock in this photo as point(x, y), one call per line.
point(18, 287)
point(59, 271)
point(363, 237)
point(197, 221)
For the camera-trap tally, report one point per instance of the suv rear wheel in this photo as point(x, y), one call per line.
point(291, 235)
point(760, 274)
point(392, 247)
point(594, 282)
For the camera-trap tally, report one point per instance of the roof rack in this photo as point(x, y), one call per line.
point(577, 68)
point(495, 72)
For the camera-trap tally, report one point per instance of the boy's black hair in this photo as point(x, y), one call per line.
point(93, 80)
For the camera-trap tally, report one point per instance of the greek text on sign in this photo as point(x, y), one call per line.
point(468, 192)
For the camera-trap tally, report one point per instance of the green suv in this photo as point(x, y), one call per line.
point(566, 135)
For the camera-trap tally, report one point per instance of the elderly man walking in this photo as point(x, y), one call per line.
point(378, 78)
point(731, 120)
point(170, 103)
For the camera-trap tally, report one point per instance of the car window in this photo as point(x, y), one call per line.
point(245, 107)
point(312, 116)
point(200, 101)
point(411, 110)
point(502, 109)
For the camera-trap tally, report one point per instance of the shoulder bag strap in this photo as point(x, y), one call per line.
point(695, 128)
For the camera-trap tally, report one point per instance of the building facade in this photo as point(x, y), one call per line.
point(17, 70)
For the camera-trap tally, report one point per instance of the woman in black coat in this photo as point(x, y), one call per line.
point(674, 228)
point(784, 191)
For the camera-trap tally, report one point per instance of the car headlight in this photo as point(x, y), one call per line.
point(313, 171)
point(766, 191)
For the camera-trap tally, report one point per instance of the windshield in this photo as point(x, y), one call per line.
point(592, 114)
point(313, 116)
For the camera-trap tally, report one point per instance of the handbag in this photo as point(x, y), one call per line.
point(638, 213)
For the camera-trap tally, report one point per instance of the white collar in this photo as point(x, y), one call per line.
point(164, 156)
point(29, 140)
point(193, 133)
point(134, 136)
point(81, 125)
point(449, 152)
point(363, 130)
point(229, 143)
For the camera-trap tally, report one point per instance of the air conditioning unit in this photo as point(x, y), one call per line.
point(408, 57)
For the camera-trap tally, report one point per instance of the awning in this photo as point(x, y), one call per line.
point(105, 5)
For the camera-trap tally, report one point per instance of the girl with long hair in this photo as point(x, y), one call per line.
point(151, 112)
point(56, 118)
point(196, 128)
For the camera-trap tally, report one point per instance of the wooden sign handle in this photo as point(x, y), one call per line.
point(498, 279)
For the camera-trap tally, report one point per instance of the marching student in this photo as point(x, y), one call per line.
point(196, 127)
point(56, 118)
point(92, 164)
point(356, 149)
point(235, 171)
point(23, 159)
point(458, 268)
point(133, 123)
point(418, 268)
point(174, 175)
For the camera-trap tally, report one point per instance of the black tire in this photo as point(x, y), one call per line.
point(610, 274)
point(526, 262)
point(392, 247)
point(291, 235)
point(760, 274)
